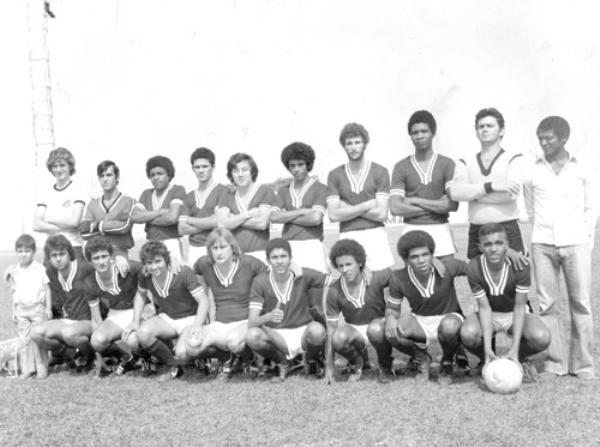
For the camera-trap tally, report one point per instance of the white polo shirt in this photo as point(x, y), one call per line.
point(560, 206)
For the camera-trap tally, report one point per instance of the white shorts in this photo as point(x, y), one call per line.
point(362, 329)
point(194, 253)
point(174, 247)
point(223, 329)
point(293, 340)
point(310, 253)
point(430, 324)
point(178, 324)
point(120, 317)
point(502, 321)
point(376, 245)
point(441, 234)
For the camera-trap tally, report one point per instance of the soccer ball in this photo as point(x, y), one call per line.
point(503, 376)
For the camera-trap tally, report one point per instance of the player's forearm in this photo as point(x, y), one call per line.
point(497, 197)
point(144, 216)
point(108, 226)
point(517, 326)
point(201, 223)
point(400, 207)
point(232, 221)
point(280, 216)
point(45, 227)
point(485, 320)
point(257, 223)
point(342, 213)
point(171, 217)
point(442, 205)
point(376, 214)
point(310, 219)
point(138, 307)
point(465, 192)
point(203, 306)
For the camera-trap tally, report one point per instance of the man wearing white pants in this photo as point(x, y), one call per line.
point(559, 202)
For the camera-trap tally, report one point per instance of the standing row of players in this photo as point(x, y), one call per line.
point(358, 195)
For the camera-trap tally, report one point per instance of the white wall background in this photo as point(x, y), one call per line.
point(135, 78)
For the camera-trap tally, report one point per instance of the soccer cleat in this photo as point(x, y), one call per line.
point(172, 373)
point(228, 367)
point(461, 365)
point(147, 367)
point(424, 363)
point(476, 371)
point(386, 375)
point(446, 376)
point(314, 368)
point(365, 358)
point(123, 367)
point(284, 369)
point(356, 370)
point(530, 373)
point(204, 366)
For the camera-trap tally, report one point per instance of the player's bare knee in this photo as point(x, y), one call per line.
point(470, 335)
point(449, 327)
point(340, 339)
point(539, 339)
point(133, 342)
point(145, 337)
point(255, 337)
point(315, 333)
point(99, 341)
point(376, 332)
point(37, 333)
point(235, 343)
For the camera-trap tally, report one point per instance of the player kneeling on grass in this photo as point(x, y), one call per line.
point(106, 288)
point(435, 316)
point(359, 296)
point(229, 275)
point(280, 325)
point(501, 292)
point(181, 307)
point(69, 337)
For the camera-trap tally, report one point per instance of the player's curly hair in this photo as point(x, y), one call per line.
point(25, 241)
point(238, 158)
point(278, 243)
point(348, 247)
point(490, 111)
point(204, 153)
point(425, 117)
point(96, 244)
point(298, 151)
point(152, 249)
point(557, 124)
point(58, 242)
point(354, 130)
point(491, 228)
point(61, 154)
point(222, 233)
point(414, 239)
point(163, 162)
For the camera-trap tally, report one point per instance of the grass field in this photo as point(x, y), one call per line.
point(71, 409)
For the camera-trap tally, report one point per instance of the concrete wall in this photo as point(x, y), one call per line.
point(132, 79)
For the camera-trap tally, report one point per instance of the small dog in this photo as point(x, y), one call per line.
point(9, 356)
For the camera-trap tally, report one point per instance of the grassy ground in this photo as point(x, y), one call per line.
point(76, 410)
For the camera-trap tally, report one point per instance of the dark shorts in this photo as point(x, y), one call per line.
point(513, 232)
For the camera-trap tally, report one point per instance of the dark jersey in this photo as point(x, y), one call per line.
point(69, 293)
point(203, 204)
point(121, 295)
point(149, 201)
point(438, 297)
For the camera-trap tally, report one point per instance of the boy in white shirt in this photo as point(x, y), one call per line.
point(31, 303)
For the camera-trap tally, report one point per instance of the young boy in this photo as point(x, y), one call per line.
point(31, 303)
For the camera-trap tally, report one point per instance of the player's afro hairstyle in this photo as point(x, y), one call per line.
point(152, 249)
point(348, 247)
point(557, 124)
point(61, 154)
point(298, 151)
point(222, 233)
point(414, 239)
point(25, 241)
point(58, 242)
point(103, 167)
point(490, 111)
point(238, 158)
point(278, 243)
point(422, 116)
point(354, 130)
point(205, 153)
point(491, 228)
point(96, 244)
point(163, 162)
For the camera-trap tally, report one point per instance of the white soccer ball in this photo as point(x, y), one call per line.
point(503, 376)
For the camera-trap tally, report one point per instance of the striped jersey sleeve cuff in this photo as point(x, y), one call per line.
point(319, 208)
point(177, 200)
point(197, 290)
point(332, 198)
point(522, 289)
point(448, 184)
point(395, 301)
point(94, 303)
point(382, 193)
point(336, 318)
point(142, 290)
point(265, 205)
point(397, 192)
point(183, 218)
point(255, 305)
point(479, 295)
point(139, 205)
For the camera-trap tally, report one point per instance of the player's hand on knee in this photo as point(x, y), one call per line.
point(391, 328)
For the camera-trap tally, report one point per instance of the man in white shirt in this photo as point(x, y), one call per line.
point(558, 198)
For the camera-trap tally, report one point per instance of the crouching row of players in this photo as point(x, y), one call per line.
point(284, 310)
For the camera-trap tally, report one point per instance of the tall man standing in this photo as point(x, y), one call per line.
point(559, 202)
point(419, 185)
point(491, 182)
point(357, 198)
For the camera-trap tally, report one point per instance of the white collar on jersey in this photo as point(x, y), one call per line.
point(67, 284)
point(244, 203)
point(201, 196)
point(425, 176)
point(284, 296)
point(164, 290)
point(359, 301)
point(156, 202)
point(429, 289)
point(357, 184)
point(227, 279)
point(496, 289)
point(115, 289)
point(298, 197)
